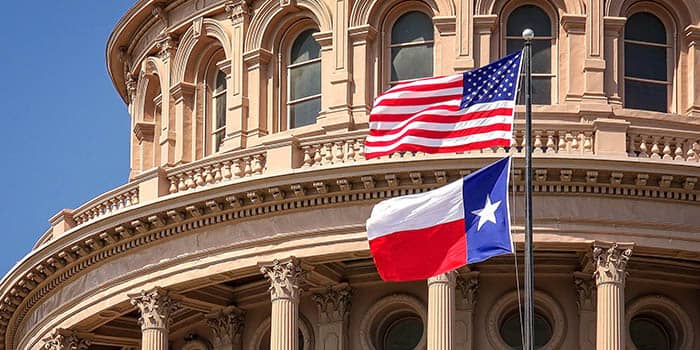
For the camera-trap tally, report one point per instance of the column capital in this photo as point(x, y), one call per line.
point(447, 278)
point(585, 292)
point(610, 262)
point(334, 304)
point(66, 340)
point(285, 278)
point(226, 325)
point(156, 308)
point(467, 291)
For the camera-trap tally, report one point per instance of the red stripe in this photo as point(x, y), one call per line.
point(420, 254)
point(426, 87)
point(441, 134)
point(417, 101)
point(441, 149)
point(435, 118)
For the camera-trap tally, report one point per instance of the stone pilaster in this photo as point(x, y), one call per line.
point(441, 311)
point(66, 340)
point(466, 291)
point(585, 292)
point(610, 262)
point(227, 328)
point(285, 279)
point(156, 308)
point(333, 314)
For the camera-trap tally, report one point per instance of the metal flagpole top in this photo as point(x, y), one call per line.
point(528, 34)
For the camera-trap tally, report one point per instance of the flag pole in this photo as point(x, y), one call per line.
point(528, 35)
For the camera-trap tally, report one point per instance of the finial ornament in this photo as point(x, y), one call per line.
point(610, 263)
point(156, 308)
point(285, 278)
point(528, 34)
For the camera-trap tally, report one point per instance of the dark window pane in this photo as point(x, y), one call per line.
point(510, 331)
point(649, 96)
point(220, 81)
point(644, 26)
point(218, 140)
point(305, 47)
point(541, 53)
point(411, 62)
point(541, 90)
point(529, 16)
point(305, 80)
point(220, 103)
point(404, 334)
point(644, 61)
point(412, 27)
point(648, 334)
point(304, 113)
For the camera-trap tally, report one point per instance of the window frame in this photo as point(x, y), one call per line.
point(216, 130)
point(554, 48)
point(211, 70)
point(388, 24)
point(288, 67)
point(671, 53)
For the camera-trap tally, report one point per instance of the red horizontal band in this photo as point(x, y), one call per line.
point(426, 87)
point(440, 134)
point(451, 149)
point(435, 118)
point(418, 101)
point(420, 254)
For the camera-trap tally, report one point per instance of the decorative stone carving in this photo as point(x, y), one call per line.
point(467, 289)
point(610, 263)
point(226, 326)
point(66, 340)
point(285, 278)
point(334, 305)
point(167, 44)
point(156, 308)
point(584, 291)
point(237, 10)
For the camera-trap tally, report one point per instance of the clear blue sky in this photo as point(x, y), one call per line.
point(65, 131)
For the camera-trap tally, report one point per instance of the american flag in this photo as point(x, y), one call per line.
point(454, 113)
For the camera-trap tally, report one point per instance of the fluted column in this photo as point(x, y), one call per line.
point(227, 328)
point(585, 291)
point(285, 278)
point(466, 290)
point(66, 340)
point(441, 311)
point(156, 309)
point(333, 314)
point(610, 262)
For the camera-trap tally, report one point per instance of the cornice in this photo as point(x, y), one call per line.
point(65, 258)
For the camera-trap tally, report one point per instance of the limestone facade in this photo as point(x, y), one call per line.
point(238, 230)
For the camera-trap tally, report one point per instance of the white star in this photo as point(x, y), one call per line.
point(488, 213)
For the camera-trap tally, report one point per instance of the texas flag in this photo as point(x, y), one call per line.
point(419, 236)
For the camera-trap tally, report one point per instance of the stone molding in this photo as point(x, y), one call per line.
point(286, 277)
point(334, 304)
point(226, 326)
point(156, 308)
point(610, 262)
point(382, 309)
point(544, 303)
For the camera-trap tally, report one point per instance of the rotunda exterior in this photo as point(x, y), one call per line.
point(242, 225)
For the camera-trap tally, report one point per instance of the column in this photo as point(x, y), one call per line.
point(585, 291)
point(226, 326)
point(465, 300)
point(692, 37)
point(239, 13)
point(156, 309)
point(167, 45)
point(333, 315)
point(613, 48)
point(594, 64)
point(441, 311)
point(285, 278)
point(485, 47)
point(575, 27)
point(183, 105)
point(610, 261)
point(361, 94)
point(64, 339)
point(256, 93)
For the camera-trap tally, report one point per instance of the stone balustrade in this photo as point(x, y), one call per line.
point(107, 204)
point(222, 168)
point(672, 146)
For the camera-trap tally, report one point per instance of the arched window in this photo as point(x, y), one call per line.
point(403, 333)
point(411, 47)
point(649, 333)
point(533, 17)
point(304, 80)
point(510, 330)
point(646, 63)
point(218, 130)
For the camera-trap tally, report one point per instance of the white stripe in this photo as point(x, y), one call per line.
point(441, 142)
point(418, 94)
point(467, 124)
point(408, 109)
point(417, 211)
point(442, 112)
point(430, 81)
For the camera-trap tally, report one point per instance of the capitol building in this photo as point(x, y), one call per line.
point(242, 223)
